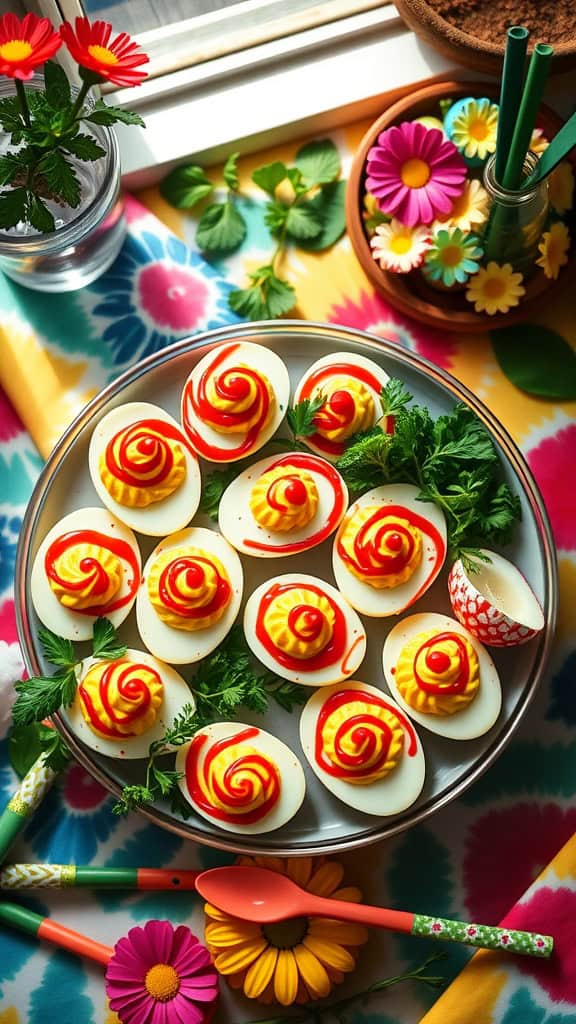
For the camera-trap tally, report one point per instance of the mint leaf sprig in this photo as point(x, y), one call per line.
point(221, 227)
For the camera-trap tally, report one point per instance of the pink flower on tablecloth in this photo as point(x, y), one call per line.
point(8, 622)
point(133, 210)
point(372, 313)
point(550, 912)
point(81, 792)
point(552, 462)
point(174, 298)
point(10, 424)
point(505, 851)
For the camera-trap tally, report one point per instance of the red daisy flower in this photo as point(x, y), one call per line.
point(25, 44)
point(92, 48)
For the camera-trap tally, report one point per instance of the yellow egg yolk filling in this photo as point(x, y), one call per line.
point(140, 467)
point(188, 588)
point(383, 551)
point(438, 673)
point(120, 698)
point(88, 576)
point(348, 408)
point(299, 622)
point(237, 394)
point(284, 499)
point(353, 732)
point(240, 780)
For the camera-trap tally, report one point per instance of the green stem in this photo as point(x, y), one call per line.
point(23, 102)
point(79, 101)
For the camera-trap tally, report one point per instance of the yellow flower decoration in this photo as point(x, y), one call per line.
point(473, 130)
point(294, 961)
point(554, 249)
point(470, 209)
point(538, 142)
point(561, 187)
point(495, 289)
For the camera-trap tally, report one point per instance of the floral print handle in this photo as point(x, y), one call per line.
point(484, 935)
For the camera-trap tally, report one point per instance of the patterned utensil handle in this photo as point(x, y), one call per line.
point(62, 876)
point(484, 935)
point(24, 802)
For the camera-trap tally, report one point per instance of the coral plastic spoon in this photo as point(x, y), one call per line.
point(263, 896)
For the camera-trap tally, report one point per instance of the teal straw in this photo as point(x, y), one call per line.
point(510, 94)
point(526, 121)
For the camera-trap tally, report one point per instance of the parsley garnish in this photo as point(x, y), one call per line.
point(300, 417)
point(451, 459)
point(213, 488)
point(28, 742)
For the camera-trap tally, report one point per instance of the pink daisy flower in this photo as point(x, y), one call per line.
point(159, 973)
point(415, 173)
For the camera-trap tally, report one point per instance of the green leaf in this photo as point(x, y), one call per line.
point(275, 216)
point(84, 147)
point(10, 168)
point(56, 753)
point(300, 417)
point(221, 228)
point(57, 85)
point(56, 649)
point(10, 116)
point(280, 297)
point(60, 177)
point(213, 487)
point(38, 214)
point(24, 746)
point(230, 172)
point(329, 207)
point(267, 298)
point(270, 176)
point(185, 186)
point(105, 641)
point(318, 162)
point(40, 696)
point(101, 113)
point(303, 222)
point(537, 360)
point(12, 207)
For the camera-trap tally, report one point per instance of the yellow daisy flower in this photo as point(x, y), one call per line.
point(495, 289)
point(554, 249)
point(470, 209)
point(474, 128)
point(561, 187)
point(294, 961)
point(399, 248)
point(538, 142)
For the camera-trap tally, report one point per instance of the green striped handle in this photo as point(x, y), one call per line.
point(484, 935)
point(23, 803)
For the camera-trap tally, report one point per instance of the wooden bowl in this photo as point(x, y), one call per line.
point(410, 293)
point(471, 50)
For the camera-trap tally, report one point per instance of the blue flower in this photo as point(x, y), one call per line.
point(61, 996)
point(9, 530)
point(156, 292)
point(73, 820)
point(523, 1010)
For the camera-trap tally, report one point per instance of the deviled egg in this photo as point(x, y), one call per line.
point(495, 603)
point(283, 505)
point(189, 596)
point(350, 386)
point(87, 566)
point(442, 676)
point(241, 778)
point(122, 706)
point(234, 400)
point(144, 470)
point(389, 549)
point(301, 628)
point(363, 748)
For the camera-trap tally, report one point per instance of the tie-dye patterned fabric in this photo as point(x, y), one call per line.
point(473, 860)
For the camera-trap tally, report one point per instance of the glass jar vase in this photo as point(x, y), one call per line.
point(86, 239)
point(516, 219)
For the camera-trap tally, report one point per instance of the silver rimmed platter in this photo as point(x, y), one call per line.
point(323, 825)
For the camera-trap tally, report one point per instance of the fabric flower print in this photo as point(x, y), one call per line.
point(553, 250)
point(452, 257)
point(398, 248)
point(9, 530)
point(552, 462)
point(495, 289)
point(73, 820)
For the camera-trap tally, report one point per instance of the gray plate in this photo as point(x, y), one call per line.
point(323, 825)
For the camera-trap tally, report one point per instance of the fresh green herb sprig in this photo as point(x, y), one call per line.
point(451, 459)
point(221, 227)
point(40, 696)
point(300, 417)
point(27, 742)
point(213, 488)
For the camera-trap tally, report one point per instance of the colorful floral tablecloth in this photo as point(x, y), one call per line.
point(476, 858)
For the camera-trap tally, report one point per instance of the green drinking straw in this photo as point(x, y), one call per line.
point(526, 121)
point(510, 94)
point(23, 803)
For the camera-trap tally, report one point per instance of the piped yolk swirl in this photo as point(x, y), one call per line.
point(438, 673)
point(299, 622)
point(235, 781)
point(142, 464)
point(120, 698)
point(358, 738)
point(188, 588)
point(348, 408)
point(380, 549)
point(84, 575)
point(237, 398)
point(284, 499)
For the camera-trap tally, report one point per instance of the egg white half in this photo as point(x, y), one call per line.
point(175, 695)
point(178, 646)
point(256, 357)
point(161, 517)
point(393, 600)
point(240, 528)
point(355, 635)
point(389, 795)
point(64, 621)
point(475, 719)
point(292, 781)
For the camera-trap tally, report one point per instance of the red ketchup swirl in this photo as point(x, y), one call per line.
point(439, 661)
point(157, 455)
point(322, 468)
point(312, 620)
point(340, 408)
point(294, 491)
point(360, 729)
point(231, 384)
point(370, 561)
point(96, 575)
point(235, 793)
point(130, 687)
point(189, 570)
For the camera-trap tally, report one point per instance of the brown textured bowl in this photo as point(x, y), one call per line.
point(471, 50)
point(409, 292)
